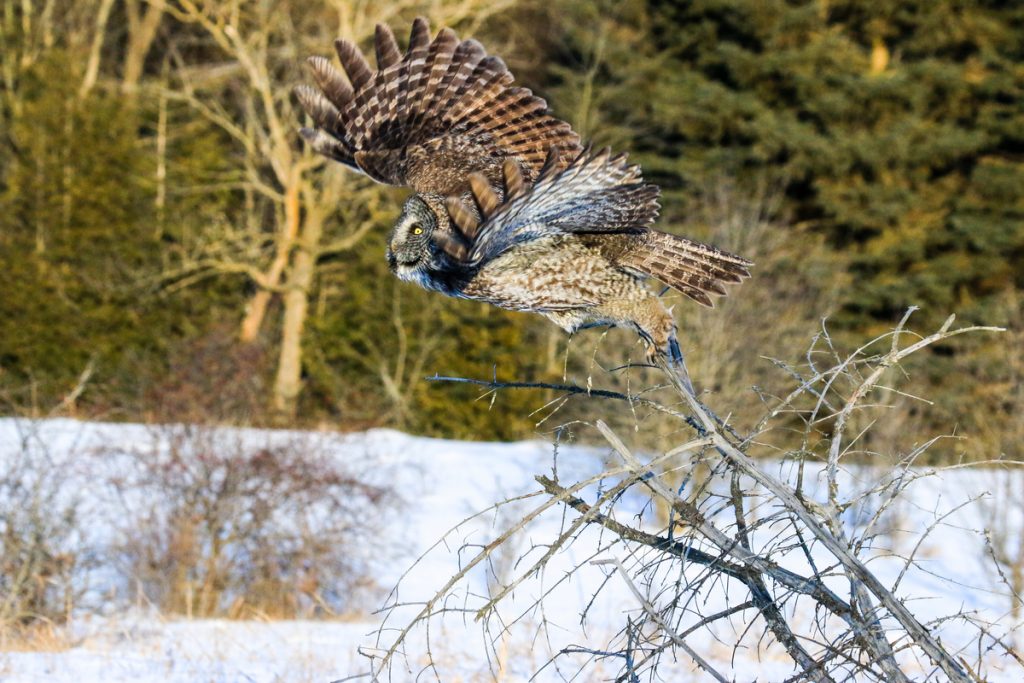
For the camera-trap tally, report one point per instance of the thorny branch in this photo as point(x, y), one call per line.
point(716, 542)
point(653, 613)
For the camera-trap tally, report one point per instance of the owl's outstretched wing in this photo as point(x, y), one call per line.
point(595, 193)
point(603, 198)
point(430, 118)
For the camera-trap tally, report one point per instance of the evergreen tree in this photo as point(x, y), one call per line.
point(80, 247)
point(896, 125)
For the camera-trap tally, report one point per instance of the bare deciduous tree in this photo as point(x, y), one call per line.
point(303, 211)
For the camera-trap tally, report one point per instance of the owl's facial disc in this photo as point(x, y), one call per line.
point(409, 245)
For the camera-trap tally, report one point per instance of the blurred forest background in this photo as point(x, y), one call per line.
point(169, 250)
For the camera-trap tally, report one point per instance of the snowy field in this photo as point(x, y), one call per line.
point(442, 485)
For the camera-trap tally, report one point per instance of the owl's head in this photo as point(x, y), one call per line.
point(412, 254)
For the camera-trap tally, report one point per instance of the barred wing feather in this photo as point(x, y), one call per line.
point(595, 193)
point(430, 118)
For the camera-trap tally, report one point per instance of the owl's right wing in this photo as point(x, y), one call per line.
point(429, 118)
point(596, 193)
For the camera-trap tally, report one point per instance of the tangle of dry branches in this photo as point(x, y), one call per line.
point(752, 553)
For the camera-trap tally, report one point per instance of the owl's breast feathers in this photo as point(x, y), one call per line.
point(556, 273)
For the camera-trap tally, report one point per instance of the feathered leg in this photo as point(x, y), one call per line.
point(649, 317)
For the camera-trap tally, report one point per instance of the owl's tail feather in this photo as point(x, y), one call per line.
point(692, 268)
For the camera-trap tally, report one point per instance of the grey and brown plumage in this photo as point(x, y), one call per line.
point(575, 247)
point(507, 207)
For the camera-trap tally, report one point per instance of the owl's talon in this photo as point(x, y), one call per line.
point(674, 353)
point(676, 363)
point(670, 359)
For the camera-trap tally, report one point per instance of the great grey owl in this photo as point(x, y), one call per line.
point(508, 208)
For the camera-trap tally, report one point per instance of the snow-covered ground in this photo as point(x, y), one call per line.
point(443, 484)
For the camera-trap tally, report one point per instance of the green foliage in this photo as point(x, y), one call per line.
point(71, 226)
point(80, 246)
point(897, 126)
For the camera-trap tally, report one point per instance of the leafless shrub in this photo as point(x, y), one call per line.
point(779, 556)
point(215, 524)
point(41, 553)
point(213, 379)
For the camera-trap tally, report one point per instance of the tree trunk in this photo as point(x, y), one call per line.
point(257, 309)
point(254, 314)
point(141, 33)
point(879, 56)
point(288, 382)
point(92, 68)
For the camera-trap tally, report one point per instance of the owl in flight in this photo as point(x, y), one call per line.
point(508, 208)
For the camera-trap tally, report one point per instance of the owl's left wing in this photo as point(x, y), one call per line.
point(596, 193)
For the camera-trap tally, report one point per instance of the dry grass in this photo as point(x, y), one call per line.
point(36, 637)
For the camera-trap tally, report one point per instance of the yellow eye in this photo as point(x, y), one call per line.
point(417, 230)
